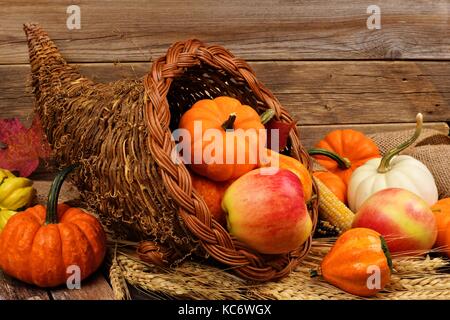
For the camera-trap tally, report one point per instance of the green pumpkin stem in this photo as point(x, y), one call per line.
point(53, 195)
point(387, 253)
point(267, 115)
point(386, 160)
point(343, 163)
point(229, 123)
point(313, 273)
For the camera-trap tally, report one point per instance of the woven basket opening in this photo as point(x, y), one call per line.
point(204, 82)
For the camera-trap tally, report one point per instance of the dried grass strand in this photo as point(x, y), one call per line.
point(413, 278)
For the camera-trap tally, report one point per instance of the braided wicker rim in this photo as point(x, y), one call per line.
point(218, 243)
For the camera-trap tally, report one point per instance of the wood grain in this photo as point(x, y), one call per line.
point(316, 93)
point(310, 135)
point(138, 30)
point(94, 288)
point(11, 289)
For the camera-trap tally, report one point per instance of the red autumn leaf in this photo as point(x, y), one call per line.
point(283, 133)
point(24, 146)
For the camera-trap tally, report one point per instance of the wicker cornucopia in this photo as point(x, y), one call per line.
point(120, 134)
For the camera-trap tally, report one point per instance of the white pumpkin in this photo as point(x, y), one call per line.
point(392, 171)
point(405, 173)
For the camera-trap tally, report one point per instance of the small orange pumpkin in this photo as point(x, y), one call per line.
point(342, 151)
point(39, 244)
point(334, 183)
point(441, 210)
point(236, 153)
point(359, 263)
point(212, 193)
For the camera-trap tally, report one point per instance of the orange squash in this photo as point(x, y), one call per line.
point(286, 162)
point(212, 193)
point(334, 183)
point(359, 263)
point(441, 210)
point(225, 152)
point(39, 244)
point(342, 151)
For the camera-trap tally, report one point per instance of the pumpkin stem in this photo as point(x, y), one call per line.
point(343, 163)
point(387, 253)
point(53, 195)
point(385, 161)
point(229, 123)
point(267, 115)
point(313, 273)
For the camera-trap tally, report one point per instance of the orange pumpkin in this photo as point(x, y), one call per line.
point(441, 211)
point(39, 244)
point(212, 193)
point(285, 162)
point(334, 183)
point(225, 152)
point(359, 263)
point(342, 151)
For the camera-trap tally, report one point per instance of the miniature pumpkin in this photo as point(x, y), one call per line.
point(393, 171)
point(39, 244)
point(212, 193)
point(359, 262)
point(225, 152)
point(342, 151)
point(441, 210)
point(15, 192)
point(334, 183)
point(285, 162)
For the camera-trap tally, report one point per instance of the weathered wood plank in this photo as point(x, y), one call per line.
point(310, 135)
point(11, 289)
point(42, 182)
point(138, 30)
point(316, 93)
point(94, 288)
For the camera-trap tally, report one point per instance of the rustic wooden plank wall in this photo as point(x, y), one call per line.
point(318, 57)
point(136, 30)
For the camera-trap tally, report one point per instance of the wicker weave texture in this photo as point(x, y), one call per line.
point(120, 133)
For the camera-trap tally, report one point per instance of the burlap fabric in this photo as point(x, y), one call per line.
point(432, 148)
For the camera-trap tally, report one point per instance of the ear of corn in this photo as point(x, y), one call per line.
point(325, 229)
point(331, 209)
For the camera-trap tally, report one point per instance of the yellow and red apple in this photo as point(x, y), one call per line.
point(268, 211)
point(404, 219)
point(275, 159)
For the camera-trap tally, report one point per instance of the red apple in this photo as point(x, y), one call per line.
point(276, 159)
point(268, 211)
point(404, 219)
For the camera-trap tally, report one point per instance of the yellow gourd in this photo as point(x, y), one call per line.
point(4, 217)
point(15, 192)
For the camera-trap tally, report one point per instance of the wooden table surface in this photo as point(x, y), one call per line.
point(318, 57)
